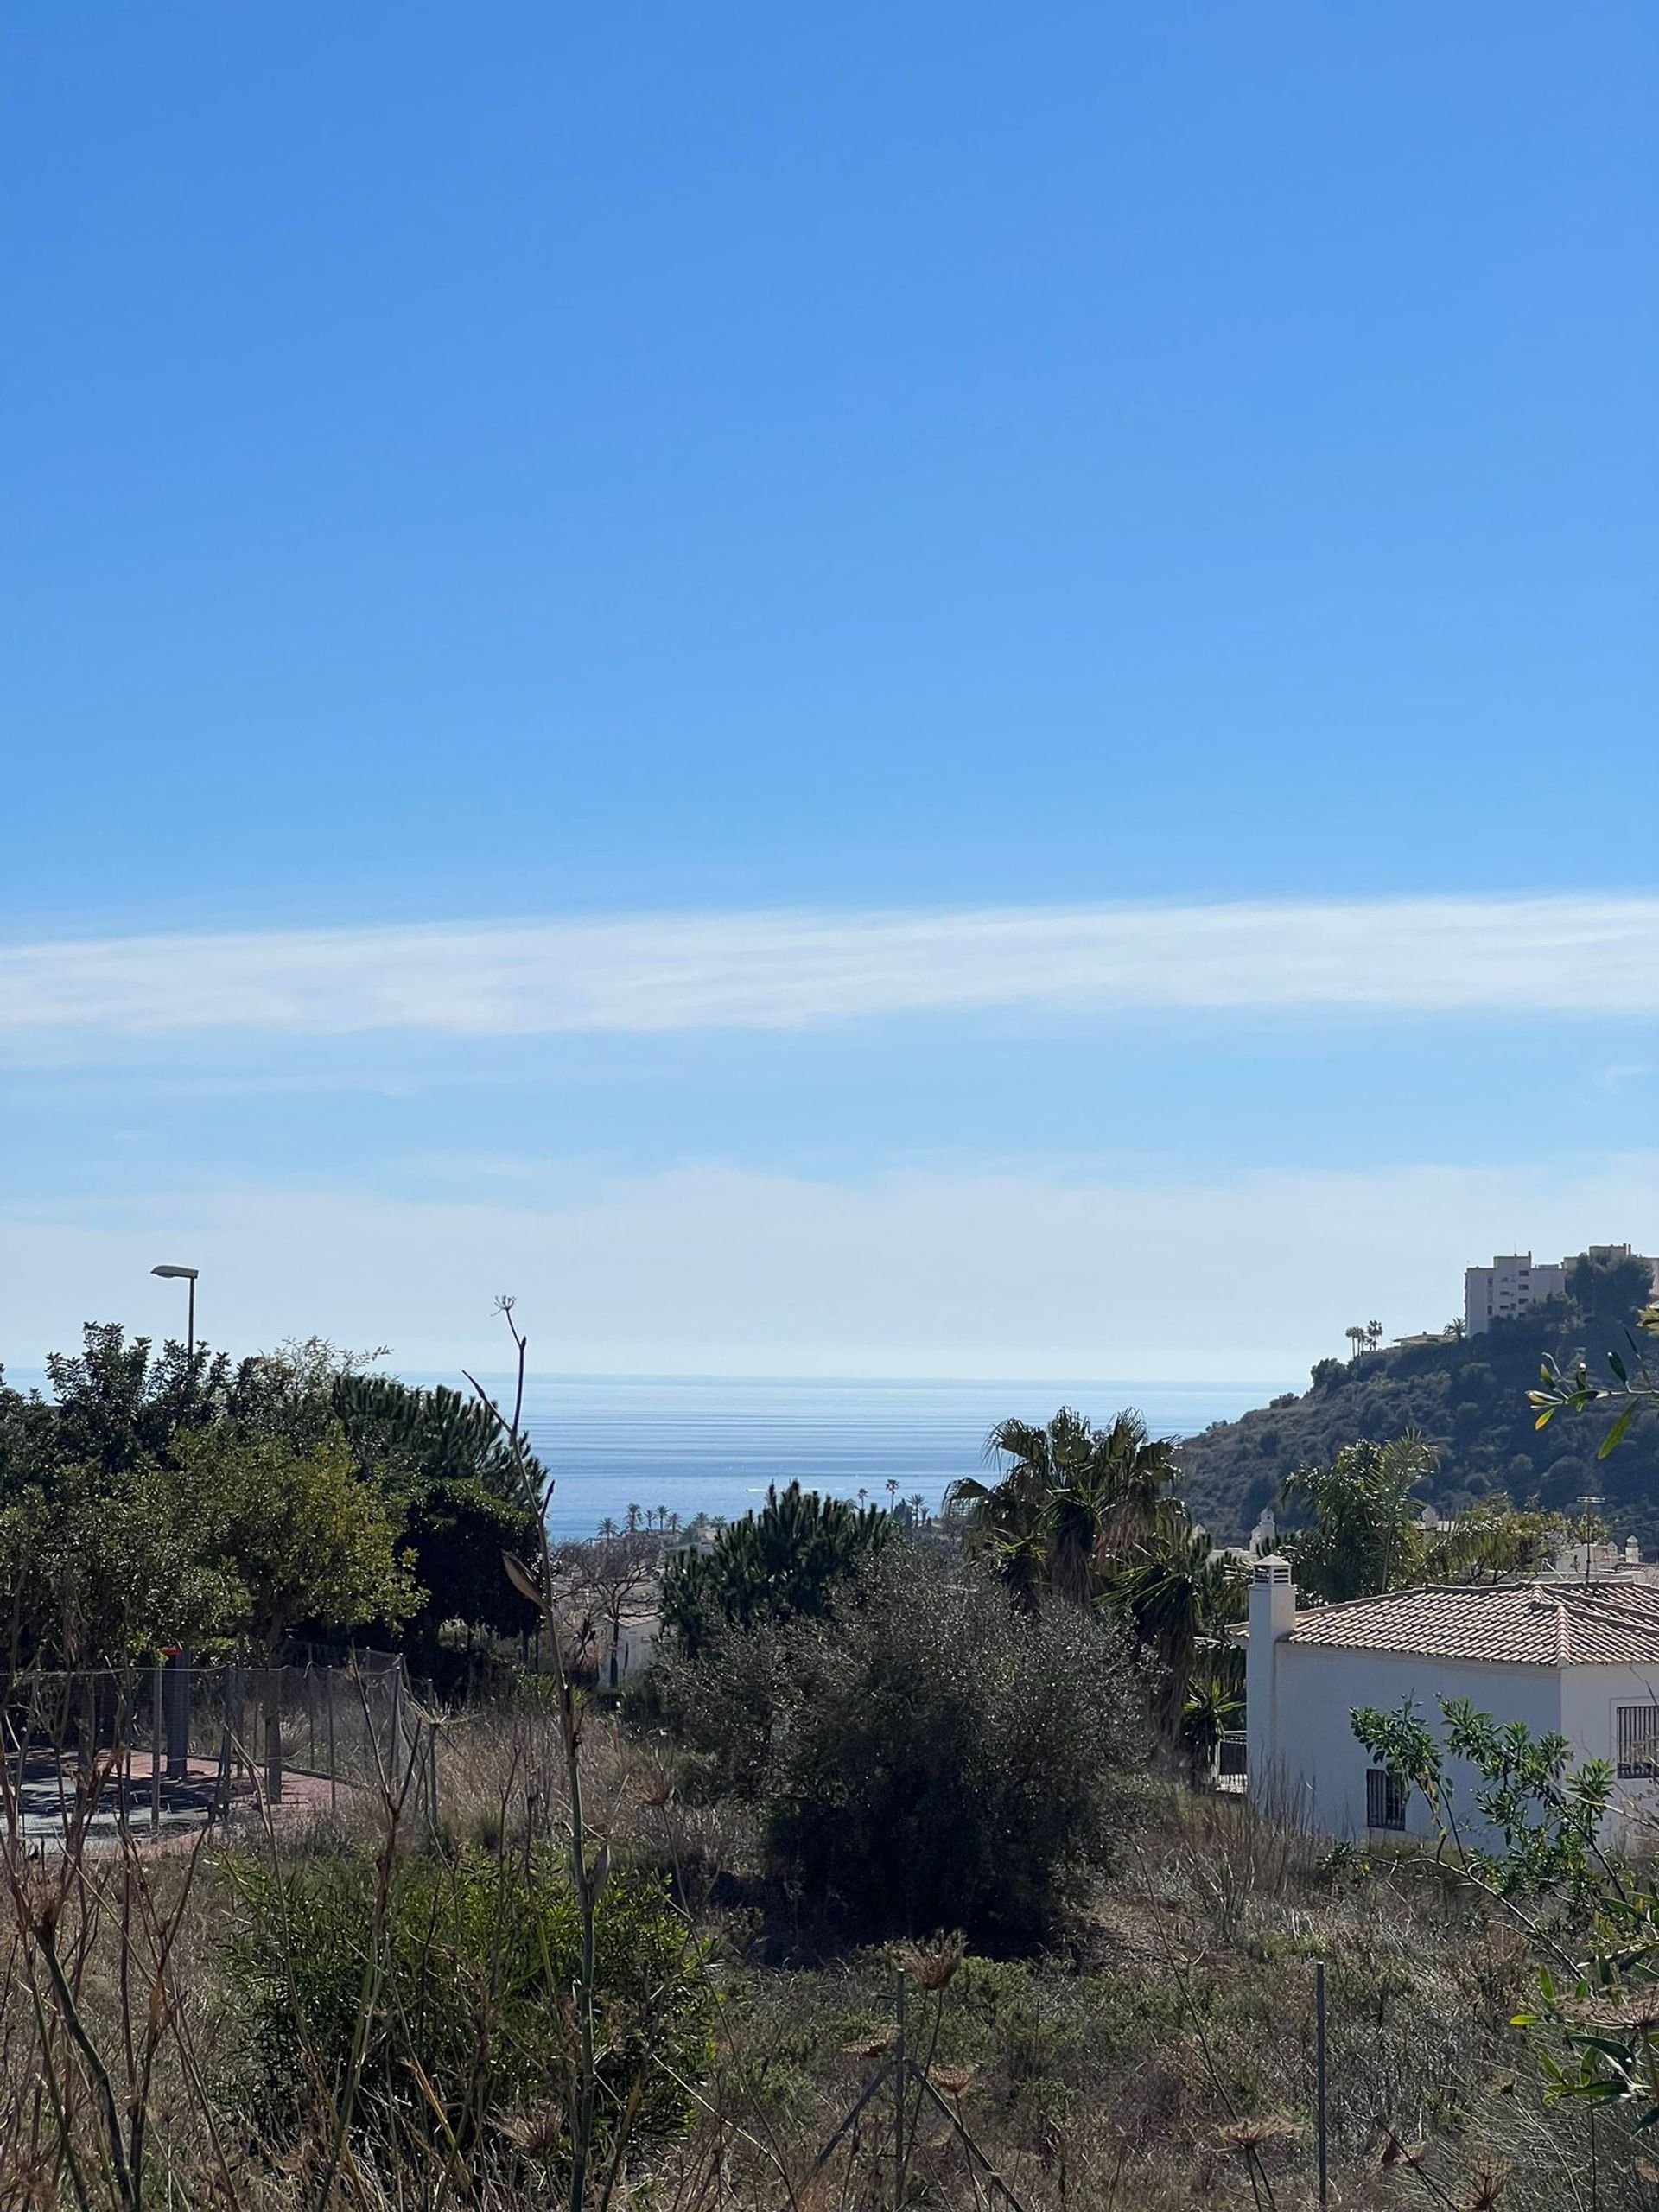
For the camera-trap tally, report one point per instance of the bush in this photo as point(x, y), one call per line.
point(477, 1956)
point(928, 1756)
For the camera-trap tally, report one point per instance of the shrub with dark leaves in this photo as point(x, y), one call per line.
point(928, 1756)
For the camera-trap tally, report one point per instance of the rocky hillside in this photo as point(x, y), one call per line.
point(1468, 1398)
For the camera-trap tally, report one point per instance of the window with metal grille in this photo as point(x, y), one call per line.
point(1638, 1740)
point(1385, 1799)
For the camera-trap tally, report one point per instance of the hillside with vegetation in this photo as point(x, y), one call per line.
point(900, 1879)
point(1468, 1398)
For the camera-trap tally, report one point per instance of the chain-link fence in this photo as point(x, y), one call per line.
point(99, 1751)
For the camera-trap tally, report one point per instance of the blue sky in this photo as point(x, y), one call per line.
point(502, 470)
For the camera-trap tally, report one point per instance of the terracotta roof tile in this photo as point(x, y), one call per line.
point(1527, 1624)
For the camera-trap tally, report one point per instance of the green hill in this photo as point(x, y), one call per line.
point(1468, 1398)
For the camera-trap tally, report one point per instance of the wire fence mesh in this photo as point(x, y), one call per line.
point(97, 1752)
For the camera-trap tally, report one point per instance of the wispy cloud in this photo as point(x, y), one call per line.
point(792, 971)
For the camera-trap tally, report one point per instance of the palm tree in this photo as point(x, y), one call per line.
point(1364, 1535)
point(1213, 1707)
point(1073, 1501)
point(1178, 1595)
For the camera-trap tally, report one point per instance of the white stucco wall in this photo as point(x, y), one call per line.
point(1591, 1697)
point(1316, 1770)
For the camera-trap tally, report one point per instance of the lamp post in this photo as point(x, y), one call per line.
point(186, 1274)
point(175, 1699)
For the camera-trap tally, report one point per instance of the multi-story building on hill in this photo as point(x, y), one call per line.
point(1513, 1283)
point(1509, 1286)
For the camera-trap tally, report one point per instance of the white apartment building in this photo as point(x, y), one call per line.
point(1509, 1286)
point(1513, 1283)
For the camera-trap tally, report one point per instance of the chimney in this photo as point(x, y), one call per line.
point(1273, 1615)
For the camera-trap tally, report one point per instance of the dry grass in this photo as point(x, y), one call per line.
point(1162, 2060)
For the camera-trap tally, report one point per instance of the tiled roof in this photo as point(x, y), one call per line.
point(1525, 1624)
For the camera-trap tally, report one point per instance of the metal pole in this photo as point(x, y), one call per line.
point(1318, 2067)
point(900, 2090)
point(190, 1326)
point(155, 1679)
point(334, 1771)
point(176, 1694)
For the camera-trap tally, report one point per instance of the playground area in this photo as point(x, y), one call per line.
point(150, 1756)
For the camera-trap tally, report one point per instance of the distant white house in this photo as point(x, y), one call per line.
point(1573, 1658)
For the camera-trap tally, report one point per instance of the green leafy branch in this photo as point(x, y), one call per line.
point(1572, 1389)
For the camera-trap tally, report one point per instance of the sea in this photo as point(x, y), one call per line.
point(712, 1444)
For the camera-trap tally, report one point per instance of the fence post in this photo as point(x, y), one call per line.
point(273, 1704)
point(900, 2091)
point(236, 1723)
point(220, 1808)
point(1318, 2067)
point(177, 1698)
point(155, 1680)
point(333, 1770)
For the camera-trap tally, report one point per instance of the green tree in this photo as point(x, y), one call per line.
point(306, 1538)
point(407, 1437)
point(1538, 1848)
point(1610, 1285)
point(1071, 1505)
point(454, 1539)
point(1178, 1595)
point(118, 1569)
point(930, 1754)
point(1364, 1534)
point(779, 1564)
point(1490, 1542)
point(116, 1406)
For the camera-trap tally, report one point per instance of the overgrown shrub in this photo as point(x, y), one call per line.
point(462, 1969)
point(928, 1756)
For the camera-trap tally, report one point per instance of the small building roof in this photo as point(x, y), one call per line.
point(1518, 1624)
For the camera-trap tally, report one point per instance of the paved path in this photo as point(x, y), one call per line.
point(46, 1792)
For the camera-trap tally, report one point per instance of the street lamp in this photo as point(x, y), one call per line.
point(187, 1275)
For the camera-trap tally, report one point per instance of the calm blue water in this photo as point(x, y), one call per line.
point(712, 1445)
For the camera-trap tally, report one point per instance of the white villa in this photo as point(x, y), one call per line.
point(1579, 1659)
